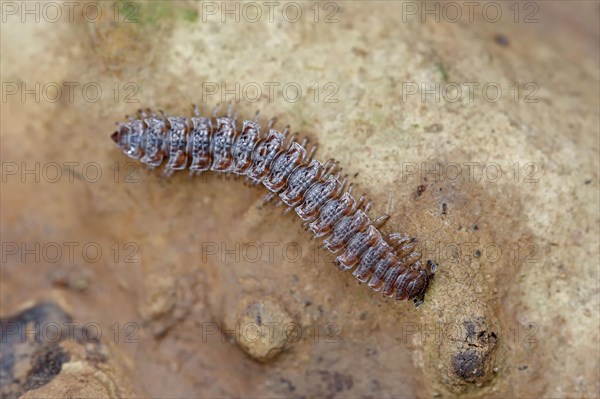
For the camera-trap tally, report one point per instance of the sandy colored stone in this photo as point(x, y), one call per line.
point(81, 378)
point(263, 330)
point(44, 353)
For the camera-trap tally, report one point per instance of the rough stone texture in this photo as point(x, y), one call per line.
point(44, 353)
point(513, 309)
point(263, 329)
point(81, 378)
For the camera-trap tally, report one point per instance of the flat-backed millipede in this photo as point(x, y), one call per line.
point(317, 192)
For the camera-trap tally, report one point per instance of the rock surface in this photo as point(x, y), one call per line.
point(46, 354)
point(263, 330)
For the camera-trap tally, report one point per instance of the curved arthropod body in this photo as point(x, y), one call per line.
point(315, 191)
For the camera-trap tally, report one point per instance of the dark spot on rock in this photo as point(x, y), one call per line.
point(371, 352)
point(444, 208)
point(335, 381)
point(42, 313)
point(470, 329)
point(359, 52)
point(356, 174)
point(477, 253)
point(468, 365)
point(15, 331)
point(487, 339)
point(290, 386)
point(46, 364)
point(588, 181)
point(434, 128)
point(38, 357)
point(501, 40)
point(363, 316)
point(421, 189)
point(475, 227)
point(343, 382)
point(307, 303)
point(473, 358)
point(524, 367)
point(375, 385)
point(339, 383)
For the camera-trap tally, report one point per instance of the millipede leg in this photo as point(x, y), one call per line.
point(394, 236)
point(271, 123)
point(251, 182)
point(359, 203)
point(268, 198)
point(216, 110)
point(343, 183)
point(329, 166)
point(397, 240)
point(312, 152)
point(432, 266)
point(380, 221)
point(287, 210)
point(292, 139)
point(350, 188)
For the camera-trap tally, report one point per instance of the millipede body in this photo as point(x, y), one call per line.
point(316, 191)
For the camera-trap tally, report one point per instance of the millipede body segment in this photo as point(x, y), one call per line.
point(316, 191)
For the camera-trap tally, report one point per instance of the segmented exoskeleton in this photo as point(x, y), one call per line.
point(317, 192)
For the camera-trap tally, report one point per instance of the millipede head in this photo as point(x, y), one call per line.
point(195, 110)
point(115, 137)
point(128, 137)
